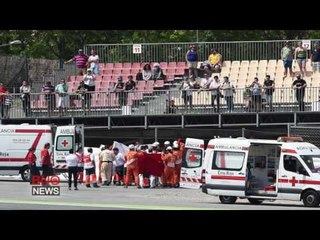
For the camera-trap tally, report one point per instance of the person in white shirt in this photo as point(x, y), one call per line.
point(25, 91)
point(72, 163)
point(228, 91)
point(119, 167)
point(93, 62)
point(214, 86)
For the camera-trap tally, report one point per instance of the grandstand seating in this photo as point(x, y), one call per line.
point(241, 74)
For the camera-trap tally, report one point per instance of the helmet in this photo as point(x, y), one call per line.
point(156, 144)
point(131, 147)
point(166, 143)
point(169, 148)
point(175, 144)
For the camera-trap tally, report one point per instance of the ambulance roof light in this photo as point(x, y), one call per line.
point(290, 139)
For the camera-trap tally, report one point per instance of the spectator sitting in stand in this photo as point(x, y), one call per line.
point(214, 62)
point(157, 73)
point(146, 72)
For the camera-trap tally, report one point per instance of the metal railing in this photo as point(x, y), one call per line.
point(158, 102)
point(175, 52)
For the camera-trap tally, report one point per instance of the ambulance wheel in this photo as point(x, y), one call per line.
point(25, 174)
point(255, 201)
point(227, 199)
point(311, 199)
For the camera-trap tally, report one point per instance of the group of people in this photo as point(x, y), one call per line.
point(141, 165)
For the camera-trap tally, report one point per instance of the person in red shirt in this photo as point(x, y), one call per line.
point(45, 161)
point(3, 92)
point(31, 158)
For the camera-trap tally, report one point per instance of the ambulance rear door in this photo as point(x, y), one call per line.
point(225, 173)
point(192, 160)
point(67, 137)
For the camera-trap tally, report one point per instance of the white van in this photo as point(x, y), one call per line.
point(260, 170)
point(17, 139)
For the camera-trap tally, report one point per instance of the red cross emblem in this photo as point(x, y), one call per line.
point(65, 143)
point(192, 158)
point(293, 181)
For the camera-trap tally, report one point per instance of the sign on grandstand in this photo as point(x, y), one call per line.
point(136, 48)
point(306, 44)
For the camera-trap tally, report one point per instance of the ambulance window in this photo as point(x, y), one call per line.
point(228, 160)
point(193, 158)
point(292, 164)
point(312, 161)
point(64, 143)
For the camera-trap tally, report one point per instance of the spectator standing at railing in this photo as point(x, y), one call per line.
point(3, 93)
point(81, 61)
point(301, 56)
point(192, 60)
point(315, 58)
point(299, 85)
point(147, 72)
point(129, 86)
point(214, 86)
point(25, 91)
point(287, 58)
point(63, 102)
point(7, 105)
point(228, 91)
point(93, 62)
point(50, 97)
point(256, 94)
point(85, 96)
point(186, 92)
point(157, 73)
point(268, 86)
point(89, 80)
point(118, 89)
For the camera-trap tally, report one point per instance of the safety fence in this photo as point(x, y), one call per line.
point(175, 52)
point(156, 102)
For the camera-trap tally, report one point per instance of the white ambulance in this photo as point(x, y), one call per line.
point(259, 170)
point(17, 139)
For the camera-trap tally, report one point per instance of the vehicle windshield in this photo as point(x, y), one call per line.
point(312, 161)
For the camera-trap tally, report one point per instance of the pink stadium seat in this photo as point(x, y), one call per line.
point(98, 78)
point(107, 71)
point(117, 71)
point(134, 72)
point(179, 71)
point(118, 65)
point(127, 65)
point(126, 71)
point(171, 71)
point(135, 65)
point(72, 78)
point(172, 65)
point(107, 78)
point(109, 66)
point(181, 65)
point(164, 65)
point(159, 83)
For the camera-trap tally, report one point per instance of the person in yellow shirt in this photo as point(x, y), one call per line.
point(214, 62)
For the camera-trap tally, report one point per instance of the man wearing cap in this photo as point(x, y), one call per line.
point(299, 85)
point(107, 158)
point(81, 61)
